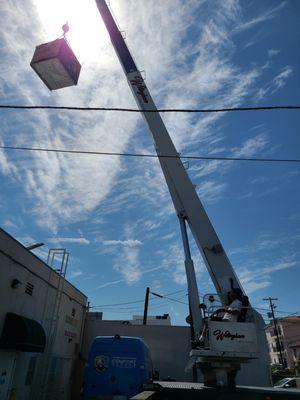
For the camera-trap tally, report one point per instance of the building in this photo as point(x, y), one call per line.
point(152, 320)
point(295, 346)
point(41, 326)
point(288, 333)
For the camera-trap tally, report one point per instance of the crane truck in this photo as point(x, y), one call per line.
point(232, 346)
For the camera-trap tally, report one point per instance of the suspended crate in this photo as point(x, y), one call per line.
point(56, 64)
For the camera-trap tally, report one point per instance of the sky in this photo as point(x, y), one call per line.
point(114, 214)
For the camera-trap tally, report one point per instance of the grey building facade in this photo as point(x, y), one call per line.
point(41, 326)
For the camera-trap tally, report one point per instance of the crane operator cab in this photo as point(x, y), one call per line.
point(228, 338)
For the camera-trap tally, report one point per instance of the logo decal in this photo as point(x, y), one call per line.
point(220, 335)
point(139, 83)
point(101, 363)
point(122, 362)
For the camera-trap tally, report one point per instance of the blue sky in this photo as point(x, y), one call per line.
point(115, 214)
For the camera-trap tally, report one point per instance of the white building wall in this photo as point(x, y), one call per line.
point(16, 262)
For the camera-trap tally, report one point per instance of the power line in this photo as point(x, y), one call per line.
point(278, 311)
point(177, 301)
point(135, 301)
point(103, 153)
point(137, 308)
point(118, 304)
point(161, 110)
point(291, 314)
point(169, 298)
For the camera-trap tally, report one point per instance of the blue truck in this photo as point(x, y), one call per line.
point(117, 368)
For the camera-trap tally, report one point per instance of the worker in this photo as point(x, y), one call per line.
point(231, 313)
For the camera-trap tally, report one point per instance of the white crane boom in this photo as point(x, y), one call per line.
point(189, 209)
point(182, 190)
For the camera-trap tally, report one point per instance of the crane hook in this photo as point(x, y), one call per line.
point(65, 28)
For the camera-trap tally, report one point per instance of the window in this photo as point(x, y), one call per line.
point(292, 383)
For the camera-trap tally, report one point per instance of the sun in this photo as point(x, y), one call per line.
point(87, 32)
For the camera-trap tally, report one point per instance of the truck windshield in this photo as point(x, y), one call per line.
point(282, 381)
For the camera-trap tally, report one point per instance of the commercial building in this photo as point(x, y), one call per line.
point(41, 326)
point(288, 333)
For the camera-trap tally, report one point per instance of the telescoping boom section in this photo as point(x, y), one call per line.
point(191, 212)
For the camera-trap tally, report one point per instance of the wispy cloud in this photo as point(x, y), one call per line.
point(273, 52)
point(280, 80)
point(125, 279)
point(111, 283)
point(75, 273)
point(79, 240)
point(260, 278)
point(125, 243)
point(89, 277)
point(128, 264)
point(266, 242)
point(211, 191)
point(277, 82)
point(6, 166)
point(264, 16)
point(252, 146)
point(10, 224)
point(173, 262)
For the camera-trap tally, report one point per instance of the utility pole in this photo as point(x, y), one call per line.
point(146, 306)
point(270, 299)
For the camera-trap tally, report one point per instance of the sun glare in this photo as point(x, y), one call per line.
point(87, 32)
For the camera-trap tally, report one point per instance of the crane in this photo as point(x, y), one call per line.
point(223, 361)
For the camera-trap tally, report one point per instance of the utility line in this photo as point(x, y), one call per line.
point(169, 298)
point(135, 301)
point(278, 311)
point(131, 309)
point(161, 110)
point(118, 304)
point(103, 153)
point(290, 315)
